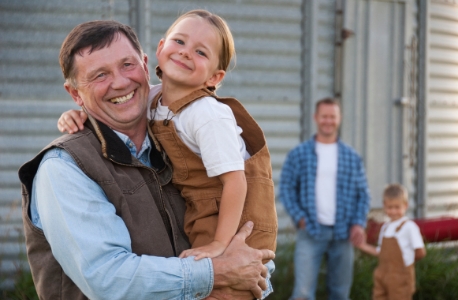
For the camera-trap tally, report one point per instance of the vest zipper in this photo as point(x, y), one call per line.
point(162, 199)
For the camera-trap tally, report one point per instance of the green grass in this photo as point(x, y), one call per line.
point(437, 275)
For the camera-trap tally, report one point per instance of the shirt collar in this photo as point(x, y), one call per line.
point(146, 145)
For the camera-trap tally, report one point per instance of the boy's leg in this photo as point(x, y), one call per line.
point(307, 259)
point(379, 291)
point(339, 269)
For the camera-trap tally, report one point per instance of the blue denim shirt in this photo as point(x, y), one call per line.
point(92, 243)
point(297, 188)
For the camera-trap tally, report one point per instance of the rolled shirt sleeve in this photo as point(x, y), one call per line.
point(93, 246)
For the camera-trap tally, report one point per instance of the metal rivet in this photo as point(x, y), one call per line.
point(166, 122)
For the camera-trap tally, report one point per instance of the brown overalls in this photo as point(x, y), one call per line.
point(392, 279)
point(203, 193)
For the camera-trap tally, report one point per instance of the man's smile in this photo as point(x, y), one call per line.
point(123, 99)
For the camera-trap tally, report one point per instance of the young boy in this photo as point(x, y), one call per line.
point(400, 245)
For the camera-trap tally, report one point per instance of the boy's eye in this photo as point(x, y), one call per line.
point(179, 42)
point(201, 53)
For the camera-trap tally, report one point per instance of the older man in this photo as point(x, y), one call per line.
point(323, 187)
point(101, 218)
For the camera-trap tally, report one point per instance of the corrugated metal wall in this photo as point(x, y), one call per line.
point(442, 106)
point(376, 66)
point(32, 96)
point(319, 36)
point(266, 78)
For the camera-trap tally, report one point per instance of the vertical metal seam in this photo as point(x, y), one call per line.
point(421, 181)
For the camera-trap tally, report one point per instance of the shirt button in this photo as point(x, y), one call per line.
point(131, 145)
point(197, 295)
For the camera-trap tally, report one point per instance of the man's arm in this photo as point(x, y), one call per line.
point(289, 187)
point(363, 198)
point(93, 246)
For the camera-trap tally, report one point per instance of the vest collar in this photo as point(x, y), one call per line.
point(180, 104)
point(113, 147)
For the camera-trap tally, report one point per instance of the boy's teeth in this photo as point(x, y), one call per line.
point(122, 99)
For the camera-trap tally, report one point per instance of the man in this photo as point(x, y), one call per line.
point(323, 187)
point(102, 219)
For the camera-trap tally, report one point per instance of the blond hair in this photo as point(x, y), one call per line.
point(227, 41)
point(395, 191)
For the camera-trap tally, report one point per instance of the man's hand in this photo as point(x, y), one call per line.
point(301, 224)
point(357, 235)
point(240, 267)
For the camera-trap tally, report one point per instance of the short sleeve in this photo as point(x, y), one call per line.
point(415, 237)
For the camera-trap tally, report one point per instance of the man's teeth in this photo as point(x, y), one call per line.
point(123, 99)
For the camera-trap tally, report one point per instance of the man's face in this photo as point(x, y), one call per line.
point(112, 84)
point(327, 119)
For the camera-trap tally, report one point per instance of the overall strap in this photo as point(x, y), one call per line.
point(180, 104)
point(400, 226)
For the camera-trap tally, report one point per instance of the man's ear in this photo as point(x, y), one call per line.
point(159, 47)
point(145, 64)
point(216, 78)
point(74, 93)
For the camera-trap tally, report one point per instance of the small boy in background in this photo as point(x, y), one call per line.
point(400, 245)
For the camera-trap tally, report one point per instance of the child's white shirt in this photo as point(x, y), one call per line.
point(409, 238)
point(208, 127)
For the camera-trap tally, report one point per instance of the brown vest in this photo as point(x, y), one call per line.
point(144, 198)
point(203, 193)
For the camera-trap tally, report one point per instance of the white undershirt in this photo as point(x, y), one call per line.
point(326, 183)
point(408, 237)
point(208, 127)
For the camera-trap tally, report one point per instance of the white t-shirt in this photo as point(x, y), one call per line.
point(408, 237)
point(326, 183)
point(208, 127)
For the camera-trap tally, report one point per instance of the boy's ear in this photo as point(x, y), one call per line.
point(159, 47)
point(74, 93)
point(216, 78)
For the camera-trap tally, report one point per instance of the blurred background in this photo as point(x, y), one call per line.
point(393, 64)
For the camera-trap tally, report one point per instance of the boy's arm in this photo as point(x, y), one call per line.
point(71, 121)
point(420, 254)
point(230, 212)
point(369, 249)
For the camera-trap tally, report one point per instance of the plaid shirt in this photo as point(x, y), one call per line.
point(297, 188)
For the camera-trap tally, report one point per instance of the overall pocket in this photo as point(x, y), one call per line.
point(173, 150)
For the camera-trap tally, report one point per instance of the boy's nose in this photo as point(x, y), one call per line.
point(184, 52)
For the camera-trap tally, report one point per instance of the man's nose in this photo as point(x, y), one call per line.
point(120, 81)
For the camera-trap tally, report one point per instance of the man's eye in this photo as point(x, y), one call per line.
point(100, 75)
point(201, 53)
point(127, 64)
point(179, 42)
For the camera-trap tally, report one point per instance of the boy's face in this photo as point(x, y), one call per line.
point(395, 208)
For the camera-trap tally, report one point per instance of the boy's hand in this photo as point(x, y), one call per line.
point(214, 249)
point(71, 121)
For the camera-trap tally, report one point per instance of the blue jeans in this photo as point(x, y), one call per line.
point(307, 260)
